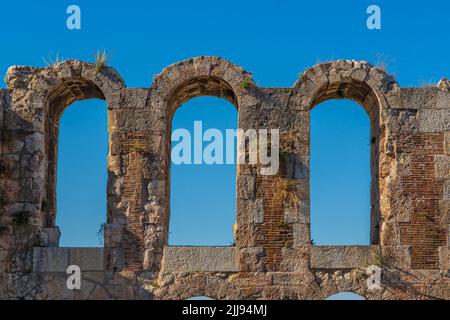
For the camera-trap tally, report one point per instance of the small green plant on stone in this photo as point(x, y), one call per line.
point(361, 274)
point(101, 61)
point(136, 148)
point(284, 155)
point(377, 260)
point(246, 84)
point(281, 225)
point(21, 218)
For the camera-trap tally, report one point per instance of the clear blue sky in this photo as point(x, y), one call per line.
point(276, 40)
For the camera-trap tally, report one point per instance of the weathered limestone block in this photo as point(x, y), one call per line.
point(397, 256)
point(444, 258)
point(301, 215)
point(34, 142)
point(152, 257)
point(113, 234)
point(302, 234)
point(246, 187)
point(295, 259)
point(431, 120)
point(88, 259)
point(246, 234)
point(50, 236)
point(443, 100)
point(25, 112)
point(447, 190)
point(251, 259)
point(447, 143)
point(91, 289)
point(127, 120)
point(115, 258)
point(419, 98)
point(303, 189)
point(250, 211)
point(19, 76)
point(50, 259)
point(359, 74)
point(401, 121)
point(200, 259)
point(135, 98)
point(391, 233)
point(442, 166)
point(54, 287)
point(108, 80)
point(341, 257)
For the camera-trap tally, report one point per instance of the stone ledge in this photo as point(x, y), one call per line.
point(54, 259)
point(341, 257)
point(205, 259)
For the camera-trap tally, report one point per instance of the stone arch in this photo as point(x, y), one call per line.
point(344, 79)
point(199, 76)
point(365, 84)
point(349, 296)
point(55, 88)
point(188, 79)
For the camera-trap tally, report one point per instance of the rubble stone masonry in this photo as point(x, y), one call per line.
point(273, 256)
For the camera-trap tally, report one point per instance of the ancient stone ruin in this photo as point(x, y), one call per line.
point(273, 256)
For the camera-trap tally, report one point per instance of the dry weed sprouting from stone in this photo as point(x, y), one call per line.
point(377, 259)
point(100, 61)
point(288, 144)
point(286, 192)
point(50, 62)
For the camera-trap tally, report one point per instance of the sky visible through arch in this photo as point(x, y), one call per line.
point(276, 40)
point(203, 196)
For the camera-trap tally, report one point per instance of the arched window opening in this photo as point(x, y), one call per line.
point(200, 298)
point(81, 173)
point(345, 296)
point(340, 174)
point(203, 191)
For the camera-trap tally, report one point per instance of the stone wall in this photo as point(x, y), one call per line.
point(273, 257)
